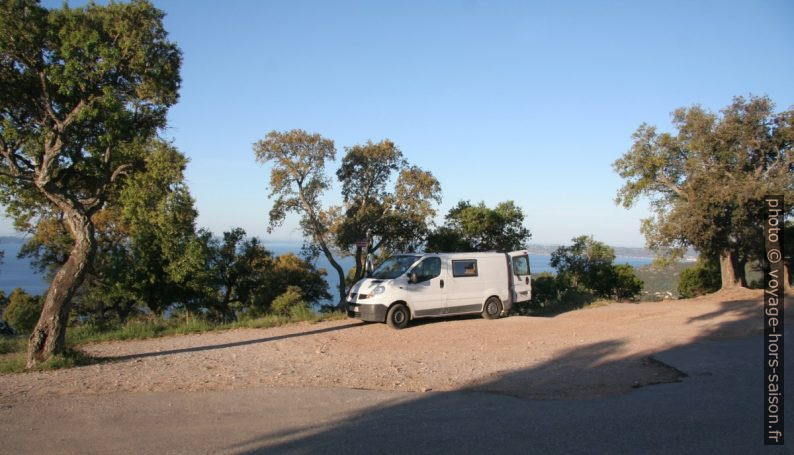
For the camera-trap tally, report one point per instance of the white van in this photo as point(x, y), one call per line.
point(409, 286)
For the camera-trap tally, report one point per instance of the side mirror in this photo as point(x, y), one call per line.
point(412, 278)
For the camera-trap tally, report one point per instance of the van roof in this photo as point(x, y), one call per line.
point(473, 254)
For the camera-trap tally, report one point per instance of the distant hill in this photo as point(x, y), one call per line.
point(621, 251)
point(533, 248)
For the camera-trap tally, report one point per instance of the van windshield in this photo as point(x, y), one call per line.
point(394, 267)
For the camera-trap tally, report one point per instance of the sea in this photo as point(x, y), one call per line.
point(18, 273)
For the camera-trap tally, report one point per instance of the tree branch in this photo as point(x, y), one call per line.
point(121, 170)
point(672, 186)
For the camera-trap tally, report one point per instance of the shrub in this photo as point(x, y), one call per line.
point(545, 288)
point(626, 284)
point(23, 311)
point(284, 303)
point(301, 312)
point(703, 278)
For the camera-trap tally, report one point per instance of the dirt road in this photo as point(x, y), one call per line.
point(582, 354)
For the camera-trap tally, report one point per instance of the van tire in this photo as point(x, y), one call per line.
point(492, 308)
point(398, 316)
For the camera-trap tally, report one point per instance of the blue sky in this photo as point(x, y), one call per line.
point(527, 101)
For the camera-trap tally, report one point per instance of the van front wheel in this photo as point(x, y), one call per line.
point(492, 308)
point(398, 316)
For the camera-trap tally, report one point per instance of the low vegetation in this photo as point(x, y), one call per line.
point(12, 348)
point(661, 280)
point(586, 276)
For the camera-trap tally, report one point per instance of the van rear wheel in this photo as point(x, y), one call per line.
point(398, 316)
point(492, 308)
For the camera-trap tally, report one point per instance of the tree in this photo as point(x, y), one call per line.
point(248, 278)
point(626, 284)
point(289, 300)
point(391, 220)
point(22, 311)
point(394, 220)
point(703, 278)
point(590, 264)
point(479, 228)
point(76, 85)
point(587, 262)
point(706, 182)
point(297, 181)
point(149, 254)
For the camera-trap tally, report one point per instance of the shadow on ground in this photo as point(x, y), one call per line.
point(212, 347)
point(712, 405)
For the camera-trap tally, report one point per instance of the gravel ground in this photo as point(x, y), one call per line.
point(581, 354)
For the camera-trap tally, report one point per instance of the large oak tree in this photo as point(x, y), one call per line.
point(371, 213)
point(471, 227)
point(388, 214)
point(707, 180)
point(76, 86)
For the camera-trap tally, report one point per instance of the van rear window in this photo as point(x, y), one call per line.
point(521, 265)
point(467, 267)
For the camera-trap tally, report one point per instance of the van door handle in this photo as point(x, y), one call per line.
point(441, 283)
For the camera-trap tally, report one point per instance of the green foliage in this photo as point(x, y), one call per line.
point(627, 285)
point(10, 344)
point(567, 299)
point(149, 254)
point(706, 182)
point(239, 268)
point(479, 228)
point(545, 288)
point(661, 280)
point(284, 303)
point(297, 182)
point(589, 264)
point(386, 219)
point(703, 278)
point(78, 87)
point(15, 363)
point(22, 311)
point(390, 220)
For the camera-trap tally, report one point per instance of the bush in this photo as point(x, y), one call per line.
point(23, 311)
point(301, 312)
point(284, 303)
point(703, 278)
point(626, 284)
point(545, 288)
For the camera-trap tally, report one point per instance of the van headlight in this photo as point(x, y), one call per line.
point(373, 293)
point(377, 290)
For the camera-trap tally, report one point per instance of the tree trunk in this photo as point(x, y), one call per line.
point(49, 335)
point(359, 265)
point(328, 255)
point(731, 270)
point(786, 276)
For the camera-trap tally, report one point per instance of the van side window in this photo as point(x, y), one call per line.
point(428, 269)
point(520, 265)
point(466, 267)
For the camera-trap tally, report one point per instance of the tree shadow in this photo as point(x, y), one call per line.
point(570, 300)
point(213, 347)
point(587, 399)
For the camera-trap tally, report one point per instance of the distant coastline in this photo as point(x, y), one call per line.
point(15, 272)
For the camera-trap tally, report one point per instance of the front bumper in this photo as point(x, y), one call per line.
point(367, 312)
